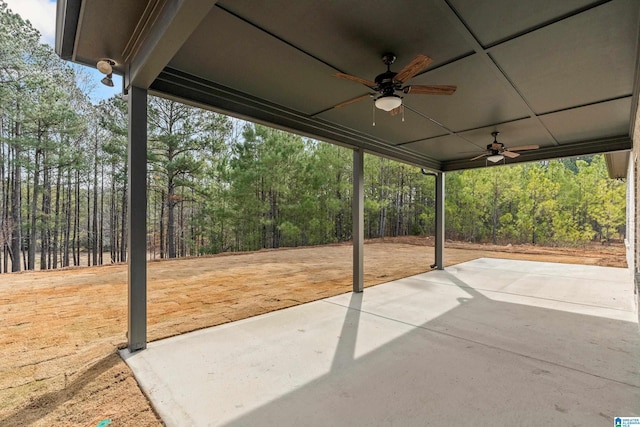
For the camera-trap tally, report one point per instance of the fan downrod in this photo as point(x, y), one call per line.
point(495, 147)
point(385, 81)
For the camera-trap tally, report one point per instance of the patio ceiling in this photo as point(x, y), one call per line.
point(559, 74)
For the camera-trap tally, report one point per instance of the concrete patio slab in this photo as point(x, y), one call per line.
point(487, 342)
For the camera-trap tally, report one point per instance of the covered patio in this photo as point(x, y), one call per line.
point(560, 78)
point(499, 342)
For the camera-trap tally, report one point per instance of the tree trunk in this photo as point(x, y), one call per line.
point(192, 232)
point(181, 243)
point(339, 224)
point(155, 219)
point(56, 221)
point(94, 233)
point(90, 238)
point(275, 238)
point(67, 214)
point(533, 222)
point(113, 219)
point(46, 210)
point(399, 205)
point(16, 200)
point(5, 202)
point(31, 256)
point(162, 236)
point(264, 214)
point(101, 236)
point(123, 239)
point(76, 222)
point(171, 220)
point(382, 216)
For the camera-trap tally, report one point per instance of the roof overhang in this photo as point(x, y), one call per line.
point(617, 164)
point(561, 75)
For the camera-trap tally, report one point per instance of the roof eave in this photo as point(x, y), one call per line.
point(67, 19)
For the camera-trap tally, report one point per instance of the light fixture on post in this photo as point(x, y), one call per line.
point(388, 102)
point(105, 66)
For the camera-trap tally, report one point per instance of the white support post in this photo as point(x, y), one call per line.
point(358, 220)
point(137, 219)
point(439, 221)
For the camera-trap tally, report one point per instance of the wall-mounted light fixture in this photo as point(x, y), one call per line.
point(105, 66)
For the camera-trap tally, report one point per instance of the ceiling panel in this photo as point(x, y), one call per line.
point(97, 38)
point(388, 128)
point(352, 35)
point(444, 147)
point(261, 65)
point(583, 59)
point(481, 98)
point(606, 119)
point(563, 69)
point(494, 20)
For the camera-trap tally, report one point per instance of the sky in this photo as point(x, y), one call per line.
point(42, 15)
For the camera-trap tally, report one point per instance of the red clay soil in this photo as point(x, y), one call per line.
point(61, 329)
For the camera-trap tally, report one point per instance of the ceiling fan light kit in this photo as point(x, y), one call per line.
point(388, 103)
point(495, 158)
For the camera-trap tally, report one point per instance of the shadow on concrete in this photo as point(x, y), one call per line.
point(346, 348)
point(487, 362)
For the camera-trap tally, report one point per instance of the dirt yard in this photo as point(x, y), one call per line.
point(61, 329)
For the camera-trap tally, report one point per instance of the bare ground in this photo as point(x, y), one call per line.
point(61, 329)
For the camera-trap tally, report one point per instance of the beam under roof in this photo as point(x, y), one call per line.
point(198, 92)
point(161, 32)
point(599, 146)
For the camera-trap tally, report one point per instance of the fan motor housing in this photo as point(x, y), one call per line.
point(492, 150)
point(386, 84)
point(385, 78)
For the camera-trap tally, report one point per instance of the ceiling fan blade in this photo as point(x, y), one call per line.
point(510, 154)
point(479, 157)
point(418, 64)
point(430, 90)
point(524, 147)
point(365, 82)
point(351, 101)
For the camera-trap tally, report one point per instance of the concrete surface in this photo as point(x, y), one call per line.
point(487, 342)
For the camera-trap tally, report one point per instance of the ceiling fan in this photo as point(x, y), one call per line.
point(496, 151)
point(388, 86)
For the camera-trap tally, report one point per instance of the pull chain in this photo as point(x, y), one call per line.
point(373, 104)
point(403, 112)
